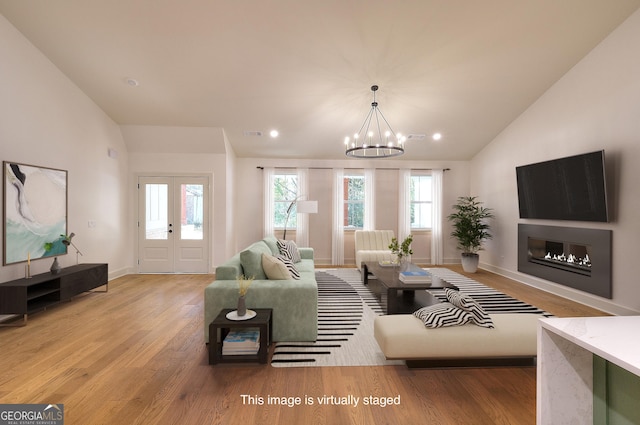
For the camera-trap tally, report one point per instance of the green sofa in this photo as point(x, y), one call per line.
point(294, 302)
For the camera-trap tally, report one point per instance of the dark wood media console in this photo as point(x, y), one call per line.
point(27, 296)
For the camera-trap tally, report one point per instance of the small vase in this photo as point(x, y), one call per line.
point(404, 262)
point(242, 306)
point(55, 267)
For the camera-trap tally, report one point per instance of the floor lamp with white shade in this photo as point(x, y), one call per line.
point(302, 207)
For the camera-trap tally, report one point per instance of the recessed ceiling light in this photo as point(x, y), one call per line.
point(274, 133)
point(437, 136)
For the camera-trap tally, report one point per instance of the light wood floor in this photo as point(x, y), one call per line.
point(135, 355)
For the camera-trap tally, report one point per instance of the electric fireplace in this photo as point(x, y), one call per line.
point(575, 257)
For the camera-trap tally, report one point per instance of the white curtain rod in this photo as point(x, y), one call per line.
point(356, 168)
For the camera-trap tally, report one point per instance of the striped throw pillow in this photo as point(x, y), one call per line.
point(441, 315)
point(289, 249)
point(468, 304)
point(290, 266)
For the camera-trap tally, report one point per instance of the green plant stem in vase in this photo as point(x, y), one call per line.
point(243, 287)
point(403, 250)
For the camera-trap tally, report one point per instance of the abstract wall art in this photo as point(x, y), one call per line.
point(35, 212)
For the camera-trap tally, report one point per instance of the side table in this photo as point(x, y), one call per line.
point(262, 321)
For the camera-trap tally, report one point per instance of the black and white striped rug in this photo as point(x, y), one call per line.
point(347, 308)
point(491, 300)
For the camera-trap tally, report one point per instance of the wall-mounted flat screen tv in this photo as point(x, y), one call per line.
point(570, 188)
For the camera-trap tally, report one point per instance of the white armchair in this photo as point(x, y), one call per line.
point(373, 245)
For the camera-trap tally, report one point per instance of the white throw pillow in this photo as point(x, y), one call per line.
point(274, 268)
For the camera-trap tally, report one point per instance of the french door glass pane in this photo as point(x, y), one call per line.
point(157, 226)
point(192, 211)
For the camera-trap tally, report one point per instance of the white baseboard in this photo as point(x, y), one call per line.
point(563, 291)
point(114, 274)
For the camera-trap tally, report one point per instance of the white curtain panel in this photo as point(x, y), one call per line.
point(404, 203)
point(337, 241)
point(302, 227)
point(437, 241)
point(369, 199)
point(267, 179)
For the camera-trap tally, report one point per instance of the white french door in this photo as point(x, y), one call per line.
point(173, 224)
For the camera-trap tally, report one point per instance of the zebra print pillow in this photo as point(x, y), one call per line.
point(289, 249)
point(468, 304)
point(290, 266)
point(441, 315)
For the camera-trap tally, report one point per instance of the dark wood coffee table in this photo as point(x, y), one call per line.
point(400, 297)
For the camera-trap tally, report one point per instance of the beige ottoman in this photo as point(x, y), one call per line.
point(511, 342)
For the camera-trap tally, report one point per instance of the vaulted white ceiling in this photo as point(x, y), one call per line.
point(463, 68)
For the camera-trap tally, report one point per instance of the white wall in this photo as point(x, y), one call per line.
point(46, 120)
point(249, 201)
point(227, 246)
point(594, 106)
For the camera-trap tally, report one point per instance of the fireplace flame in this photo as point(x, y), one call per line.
point(571, 259)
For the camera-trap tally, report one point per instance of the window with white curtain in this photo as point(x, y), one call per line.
point(421, 202)
point(354, 201)
point(285, 191)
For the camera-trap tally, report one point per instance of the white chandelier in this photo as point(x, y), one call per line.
point(376, 141)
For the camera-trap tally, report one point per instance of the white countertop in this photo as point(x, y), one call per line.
point(614, 338)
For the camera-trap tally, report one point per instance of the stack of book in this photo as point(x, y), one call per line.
point(415, 276)
point(241, 342)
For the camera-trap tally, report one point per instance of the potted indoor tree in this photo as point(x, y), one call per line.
point(470, 229)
